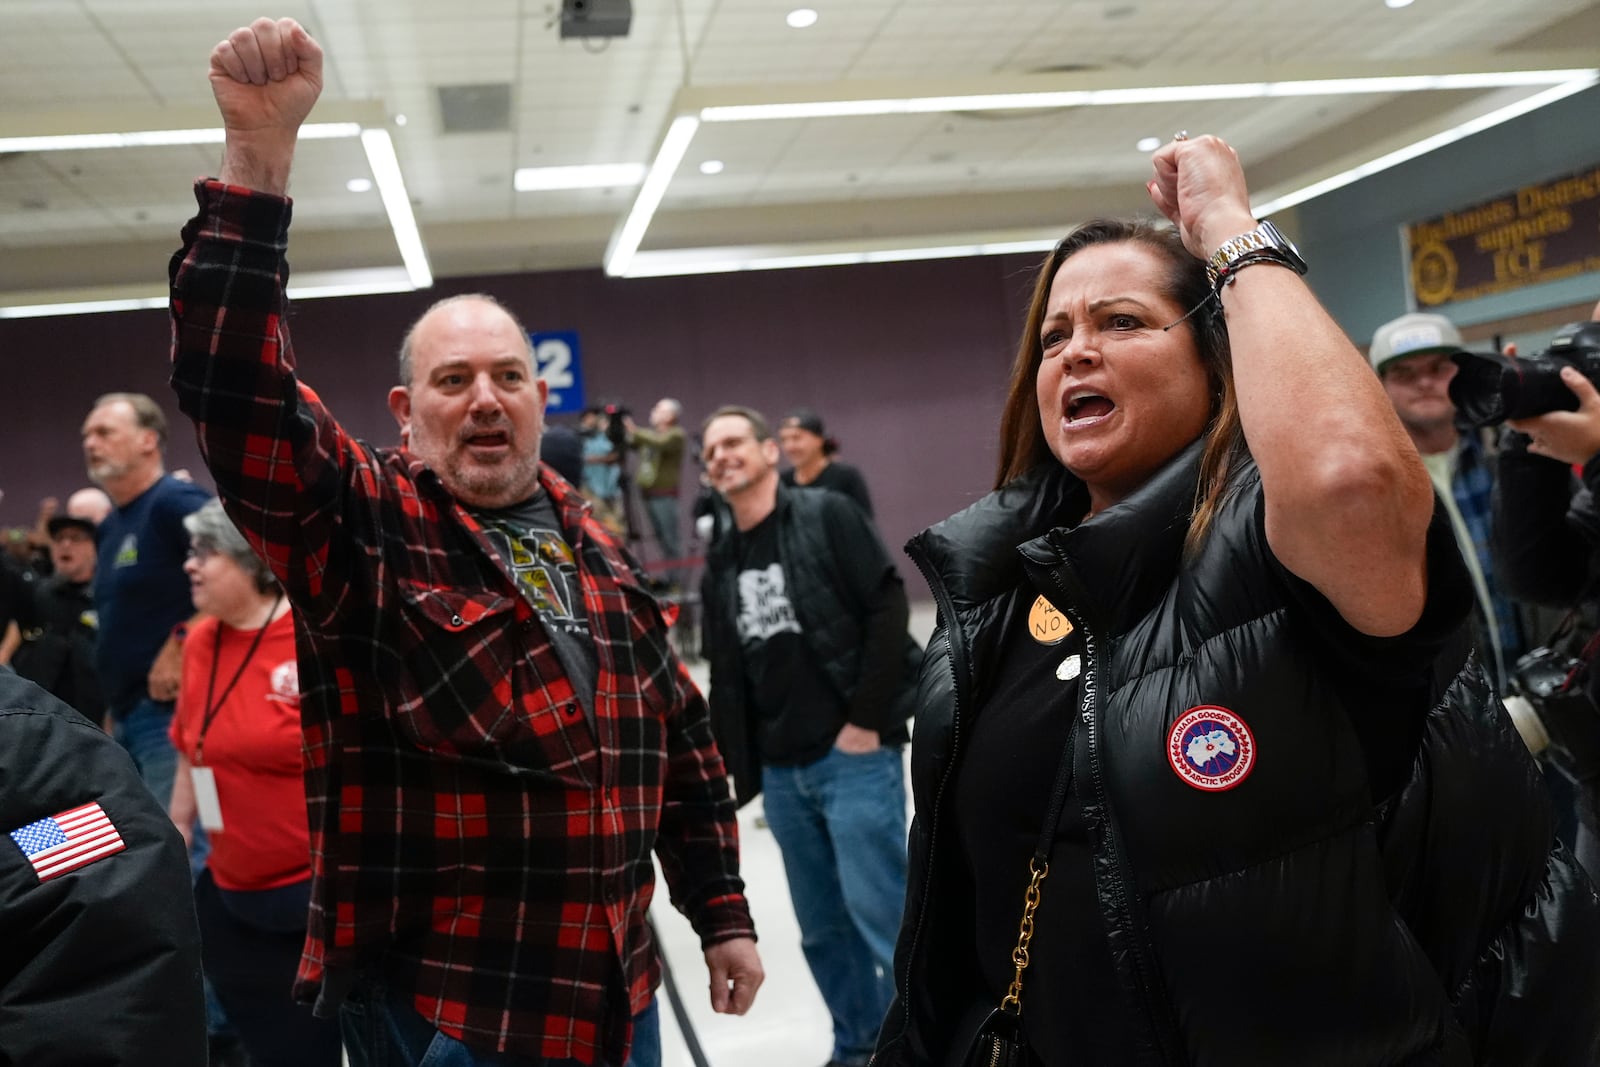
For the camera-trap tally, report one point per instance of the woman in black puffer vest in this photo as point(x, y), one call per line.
point(1208, 597)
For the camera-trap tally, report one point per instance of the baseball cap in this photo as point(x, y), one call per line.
point(805, 419)
point(1418, 333)
point(57, 523)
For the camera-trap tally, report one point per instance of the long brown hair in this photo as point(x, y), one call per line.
point(1022, 441)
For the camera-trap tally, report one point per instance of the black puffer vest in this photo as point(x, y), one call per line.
point(1287, 919)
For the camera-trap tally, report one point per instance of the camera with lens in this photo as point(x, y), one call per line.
point(616, 426)
point(1489, 388)
point(1554, 712)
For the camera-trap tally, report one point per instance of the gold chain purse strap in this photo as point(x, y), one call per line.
point(1019, 955)
point(999, 1042)
point(1038, 870)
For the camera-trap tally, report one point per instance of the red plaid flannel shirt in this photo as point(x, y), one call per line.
point(473, 831)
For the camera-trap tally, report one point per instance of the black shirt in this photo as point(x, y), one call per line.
point(800, 714)
point(530, 541)
point(1070, 997)
point(58, 624)
point(841, 478)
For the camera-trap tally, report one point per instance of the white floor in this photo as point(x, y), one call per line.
point(788, 1026)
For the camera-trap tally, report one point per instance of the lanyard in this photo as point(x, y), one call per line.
point(211, 684)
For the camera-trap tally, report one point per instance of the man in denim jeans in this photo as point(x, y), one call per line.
point(141, 593)
point(811, 684)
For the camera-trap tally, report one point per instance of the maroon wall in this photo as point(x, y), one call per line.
point(907, 363)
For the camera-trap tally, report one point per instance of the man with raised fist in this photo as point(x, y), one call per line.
point(497, 732)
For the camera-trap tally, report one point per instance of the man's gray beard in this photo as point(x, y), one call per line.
point(106, 472)
point(482, 482)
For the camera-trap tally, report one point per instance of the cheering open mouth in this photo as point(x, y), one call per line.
point(1084, 407)
point(487, 439)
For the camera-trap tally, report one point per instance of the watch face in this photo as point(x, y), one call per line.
point(1276, 238)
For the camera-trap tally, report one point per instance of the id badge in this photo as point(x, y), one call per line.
point(205, 797)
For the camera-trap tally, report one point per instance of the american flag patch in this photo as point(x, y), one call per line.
point(68, 841)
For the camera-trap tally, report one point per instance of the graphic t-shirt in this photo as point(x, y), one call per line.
point(800, 714)
point(252, 747)
point(529, 539)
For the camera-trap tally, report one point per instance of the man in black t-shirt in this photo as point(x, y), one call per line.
point(810, 450)
point(811, 683)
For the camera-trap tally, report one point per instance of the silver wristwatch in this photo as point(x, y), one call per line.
point(1264, 242)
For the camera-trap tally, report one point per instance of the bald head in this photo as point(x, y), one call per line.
point(460, 309)
point(90, 503)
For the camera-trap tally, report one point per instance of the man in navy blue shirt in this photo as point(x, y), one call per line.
point(141, 593)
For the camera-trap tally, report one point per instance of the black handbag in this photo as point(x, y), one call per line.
point(996, 1040)
point(996, 1031)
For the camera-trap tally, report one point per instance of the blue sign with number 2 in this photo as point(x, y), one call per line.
point(556, 359)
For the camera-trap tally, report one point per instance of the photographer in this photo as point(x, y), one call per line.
point(661, 449)
point(1547, 546)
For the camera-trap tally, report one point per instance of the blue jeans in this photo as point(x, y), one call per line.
point(840, 823)
point(142, 732)
point(381, 1030)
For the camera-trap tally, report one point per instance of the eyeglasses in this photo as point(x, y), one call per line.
point(201, 553)
point(1412, 371)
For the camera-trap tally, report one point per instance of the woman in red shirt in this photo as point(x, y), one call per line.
point(237, 732)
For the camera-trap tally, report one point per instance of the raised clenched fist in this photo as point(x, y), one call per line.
point(266, 76)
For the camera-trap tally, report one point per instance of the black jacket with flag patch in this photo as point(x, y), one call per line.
point(99, 949)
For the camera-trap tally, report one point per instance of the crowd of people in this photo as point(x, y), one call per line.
point(374, 753)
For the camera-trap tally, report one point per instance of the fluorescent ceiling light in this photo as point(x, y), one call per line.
point(728, 260)
point(583, 176)
point(310, 285)
point(1426, 145)
point(723, 260)
point(1153, 94)
point(367, 281)
point(1148, 144)
point(801, 17)
point(626, 240)
point(68, 142)
point(381, 159)
point(711, 166)
point(624, 249)
point(81, 307)
point(397, 203)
